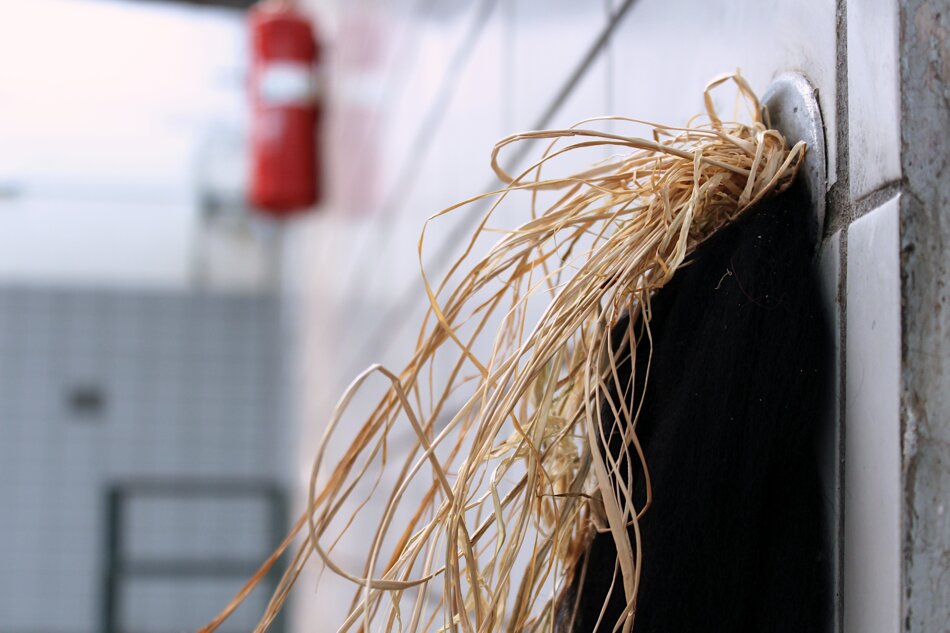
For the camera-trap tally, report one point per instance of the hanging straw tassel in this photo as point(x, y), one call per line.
point(516, 480)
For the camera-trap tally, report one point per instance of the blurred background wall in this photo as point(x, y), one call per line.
point(154, 331)
point(143, 415)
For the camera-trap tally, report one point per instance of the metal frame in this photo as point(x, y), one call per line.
point(117, 567)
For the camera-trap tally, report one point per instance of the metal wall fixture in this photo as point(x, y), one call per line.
point(790, 106)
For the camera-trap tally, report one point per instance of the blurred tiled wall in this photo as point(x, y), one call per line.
point(103, 387)
point(420, 91)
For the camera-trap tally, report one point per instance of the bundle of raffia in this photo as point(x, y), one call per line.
point(510, 483)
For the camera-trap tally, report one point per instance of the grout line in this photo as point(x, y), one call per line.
point(867, 203)
point(839, 214)
point(842, 297)
point(402, 308)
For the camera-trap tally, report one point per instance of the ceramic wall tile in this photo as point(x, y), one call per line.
point(873, 95)
point(872, 482)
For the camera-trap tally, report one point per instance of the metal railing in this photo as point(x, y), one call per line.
point(119, 567)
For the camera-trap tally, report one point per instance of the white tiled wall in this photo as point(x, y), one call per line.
point(830, 448)
point(873, 97)
point(663, 59)
point(873, 490)
point(480, 70)
point(190, 388)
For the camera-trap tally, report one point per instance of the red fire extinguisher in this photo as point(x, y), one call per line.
point(286, 102)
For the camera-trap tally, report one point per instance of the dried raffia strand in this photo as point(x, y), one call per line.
point(525, 453)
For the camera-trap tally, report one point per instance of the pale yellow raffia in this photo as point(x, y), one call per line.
point(516, 481)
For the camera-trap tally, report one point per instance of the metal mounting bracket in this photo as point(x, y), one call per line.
point(790, 105)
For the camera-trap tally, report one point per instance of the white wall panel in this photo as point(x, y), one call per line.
point(873, 95)
point(663, 57)
point(872, 508)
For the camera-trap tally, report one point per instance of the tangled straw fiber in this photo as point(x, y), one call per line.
point(511, 482)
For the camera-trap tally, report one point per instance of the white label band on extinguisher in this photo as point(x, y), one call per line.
point(288, 83)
